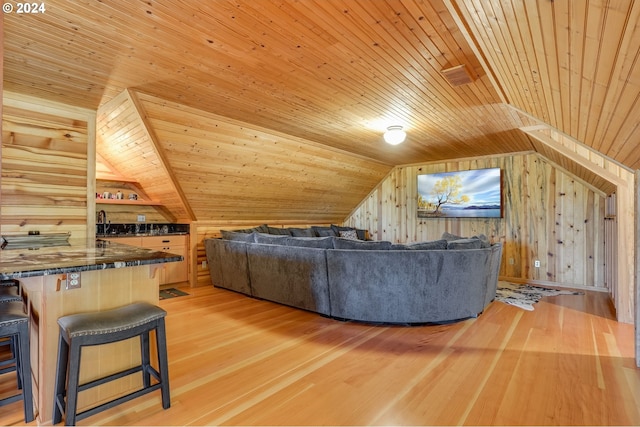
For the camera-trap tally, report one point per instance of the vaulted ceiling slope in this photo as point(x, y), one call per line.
point(203, 166)
point(338, 72)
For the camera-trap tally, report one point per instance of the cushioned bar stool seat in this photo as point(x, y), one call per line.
point(88, 329)
point(14, 325)
point(10, 294)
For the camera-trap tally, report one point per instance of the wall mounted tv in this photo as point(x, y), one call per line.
point(463, 194)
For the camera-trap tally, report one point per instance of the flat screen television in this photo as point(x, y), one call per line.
point(462, 194)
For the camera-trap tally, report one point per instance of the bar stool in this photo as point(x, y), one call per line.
point(10, 294)
point(14, 325)
point(87, 329)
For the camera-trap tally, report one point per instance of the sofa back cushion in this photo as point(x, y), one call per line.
point(464, 244)
point(310, 242)
point(321, 231)
point(270, 239)
point(236, 235)
point(278, 231)
point(423, 246)
point(342, 243)
point(302, 232)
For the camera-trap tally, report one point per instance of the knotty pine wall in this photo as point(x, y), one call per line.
point(48, 167)
point(548, 215)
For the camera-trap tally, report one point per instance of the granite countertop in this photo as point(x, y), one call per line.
point(78, 255)
point(112, 235)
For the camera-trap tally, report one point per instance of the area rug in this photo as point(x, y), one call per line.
point(171, 293)
point(524, 296)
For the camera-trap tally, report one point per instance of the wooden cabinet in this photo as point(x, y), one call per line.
point(171, 272)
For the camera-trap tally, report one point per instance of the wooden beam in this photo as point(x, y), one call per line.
point(542, 136)
point(159, 152)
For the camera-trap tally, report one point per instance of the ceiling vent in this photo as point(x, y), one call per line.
point(458, 75)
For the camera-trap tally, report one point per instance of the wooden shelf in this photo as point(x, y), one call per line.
point(127, 202)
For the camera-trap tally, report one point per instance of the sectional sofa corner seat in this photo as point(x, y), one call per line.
point(392, 284)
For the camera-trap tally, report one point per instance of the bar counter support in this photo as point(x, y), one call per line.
point(48, 299)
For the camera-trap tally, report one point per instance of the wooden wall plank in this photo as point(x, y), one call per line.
point(45, 167)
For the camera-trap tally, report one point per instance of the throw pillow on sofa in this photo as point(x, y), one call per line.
point(349, 234)
point(341, 243)
point(361, 234)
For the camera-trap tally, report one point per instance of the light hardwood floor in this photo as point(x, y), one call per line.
point(240, 361)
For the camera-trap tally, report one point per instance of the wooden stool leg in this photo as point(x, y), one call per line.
point(23, 362)
point(73, 383)
point(15, 351)
point(163, 362)
point(145, 359)
point(61, 379)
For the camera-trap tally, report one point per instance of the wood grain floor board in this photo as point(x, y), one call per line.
point(235, 360)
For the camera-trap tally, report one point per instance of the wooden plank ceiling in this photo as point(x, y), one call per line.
point(336, 73)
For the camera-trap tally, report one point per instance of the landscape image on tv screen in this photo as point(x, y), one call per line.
point(463, 194)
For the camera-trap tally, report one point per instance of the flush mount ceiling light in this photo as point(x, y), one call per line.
point(394, 135)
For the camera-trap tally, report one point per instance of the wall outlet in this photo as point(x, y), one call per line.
point(142, 218)
point(73, 281)
point(511, 261)
point(536, 263)
point(204, 264)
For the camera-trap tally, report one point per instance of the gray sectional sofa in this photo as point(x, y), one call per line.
point(430, 282)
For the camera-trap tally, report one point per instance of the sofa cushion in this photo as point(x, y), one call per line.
point(448, 236)
point(338, 228)
point(349, 234)
point(342, 243)
point(236, 235)
point(485, 241)
point(278, 231)
point(264, 228)
point(323, 231)
point(464, 244)
point(302, 232)
point(434, 244)
point(310, 242)
point(270, 239)
point(362, 234)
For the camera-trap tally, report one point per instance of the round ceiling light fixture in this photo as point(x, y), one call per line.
point(394, 135)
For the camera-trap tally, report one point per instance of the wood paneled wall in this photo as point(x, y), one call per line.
point(48, 170)
point(548, 215)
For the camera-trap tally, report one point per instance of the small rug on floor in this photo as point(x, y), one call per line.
point(524, 296)
point(171, 293)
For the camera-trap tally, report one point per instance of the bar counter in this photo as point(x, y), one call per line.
point(80, 255)
point(109, 275)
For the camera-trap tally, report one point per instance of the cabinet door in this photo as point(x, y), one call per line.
point(173, 271)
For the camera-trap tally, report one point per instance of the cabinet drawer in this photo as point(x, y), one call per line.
point(159, 241)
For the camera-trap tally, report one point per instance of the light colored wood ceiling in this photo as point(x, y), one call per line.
point(338, 72)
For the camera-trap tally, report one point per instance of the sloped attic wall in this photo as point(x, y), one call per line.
point(549, 215)
point(230, 171)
